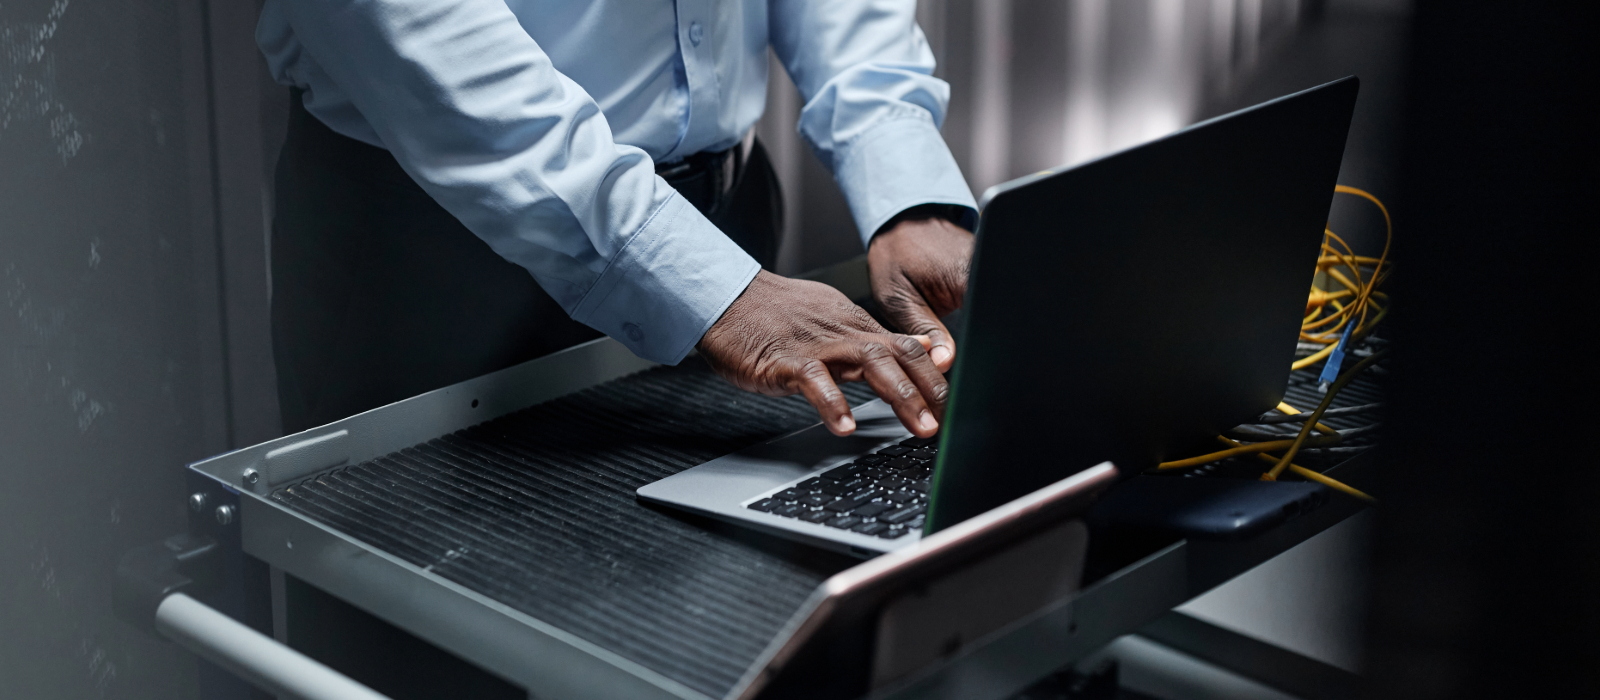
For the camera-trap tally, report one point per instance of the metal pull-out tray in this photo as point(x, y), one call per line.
point(496, 519)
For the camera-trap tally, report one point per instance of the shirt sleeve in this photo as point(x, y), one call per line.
point(872, 106)
point(474, 111)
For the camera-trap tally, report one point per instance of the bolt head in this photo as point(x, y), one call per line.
point(251, 476)
point(224, 515)
point(197, 502)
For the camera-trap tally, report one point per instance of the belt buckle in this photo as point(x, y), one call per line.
point(681, 167)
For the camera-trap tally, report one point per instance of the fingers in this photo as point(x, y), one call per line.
point(898, 370)
point(812, 379)
point(919, 366)
point(881, 367)
point(943, 348)
point(850, 371)
point(914, 316)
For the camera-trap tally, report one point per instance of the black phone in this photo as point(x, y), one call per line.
point(1204, 508)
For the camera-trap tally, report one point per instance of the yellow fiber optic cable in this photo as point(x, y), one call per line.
point(1305, 430)
point(1286, 409)
point(1310, 475)
point(1352, 306)
point(1244, 450)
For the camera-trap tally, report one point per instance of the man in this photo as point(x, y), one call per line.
point(600, 147)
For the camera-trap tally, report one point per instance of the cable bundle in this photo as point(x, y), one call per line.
point(1356, 299)
point(1336, 320)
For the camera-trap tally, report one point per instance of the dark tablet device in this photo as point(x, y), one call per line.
point(876, 623)
point(1203, 508)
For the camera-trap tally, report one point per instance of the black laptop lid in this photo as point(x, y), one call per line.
point(1135, 306)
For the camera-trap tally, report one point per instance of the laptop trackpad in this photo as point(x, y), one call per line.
point(758, 469)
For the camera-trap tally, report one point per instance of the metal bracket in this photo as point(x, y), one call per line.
point(302, 457)
point(149, 573)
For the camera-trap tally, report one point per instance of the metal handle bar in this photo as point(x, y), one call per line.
point(251, 655)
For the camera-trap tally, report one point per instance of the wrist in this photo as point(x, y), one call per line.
point(956, 214)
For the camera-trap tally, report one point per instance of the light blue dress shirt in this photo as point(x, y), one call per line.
point(538, 124)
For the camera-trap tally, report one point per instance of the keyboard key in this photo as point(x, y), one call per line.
point(869, 528)
point(915, 442)
point(893, 532)
point(834, 488)
point(844, 522)
point(920, 486)
point(901, 497)
point(789, 511)
point(766, 505)
point(870, 460)
point(814, 500)
point(843, 487)
point(903, 463)
point(872, 509)
point(924, 454)
point(845, 505)
point(842, 473)
point(789, 495)
point(869, 494)
point(893, 483)
point(809, 484)
point(894, 451)
point(903, 515)
point(816, 516)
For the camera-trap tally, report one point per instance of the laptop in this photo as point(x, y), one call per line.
point(1127, 309)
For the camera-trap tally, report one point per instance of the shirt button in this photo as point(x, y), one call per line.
point(696, 33)
point(633, 332)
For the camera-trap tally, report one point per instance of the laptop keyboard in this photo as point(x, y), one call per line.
point(883, 494)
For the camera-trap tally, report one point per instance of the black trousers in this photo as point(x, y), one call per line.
point(380, 294)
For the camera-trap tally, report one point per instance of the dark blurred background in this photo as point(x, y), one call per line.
point(136, 148)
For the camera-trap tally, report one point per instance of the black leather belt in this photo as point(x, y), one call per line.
point(707, 179)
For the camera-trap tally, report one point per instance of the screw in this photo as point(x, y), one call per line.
point(224, 515)
point(197, 501)
point(251, 476)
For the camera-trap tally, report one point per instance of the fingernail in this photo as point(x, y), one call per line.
point(940, 355)
point(927, 421)
point(847, 424)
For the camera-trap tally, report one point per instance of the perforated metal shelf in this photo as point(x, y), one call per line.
point(536, 509)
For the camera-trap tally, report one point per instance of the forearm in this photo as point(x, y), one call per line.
point(873, 108)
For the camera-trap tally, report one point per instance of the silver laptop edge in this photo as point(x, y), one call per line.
point(721, 488)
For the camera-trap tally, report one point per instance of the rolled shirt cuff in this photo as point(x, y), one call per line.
point(897, 165)
point(668, 284)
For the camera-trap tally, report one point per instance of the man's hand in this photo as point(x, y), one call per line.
point(784, 336)
point(919, 271)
